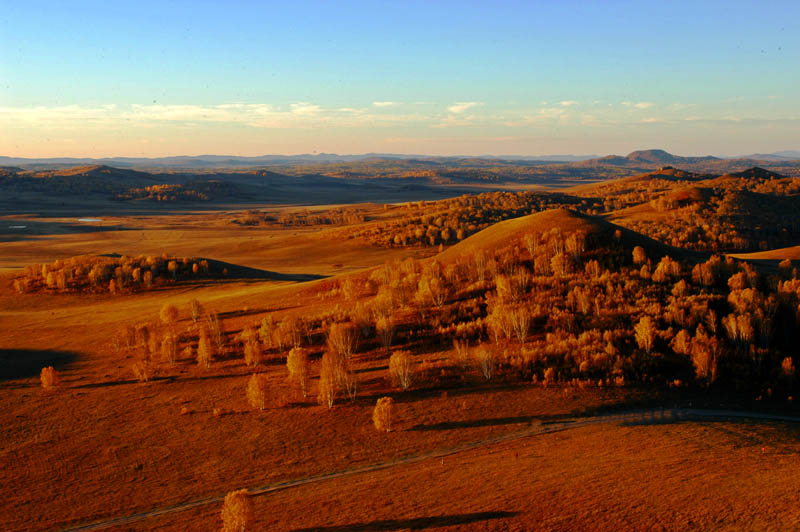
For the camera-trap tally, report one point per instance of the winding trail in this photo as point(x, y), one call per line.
point(633, 416)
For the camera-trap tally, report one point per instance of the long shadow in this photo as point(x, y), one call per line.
point(23, 363)
point(236, 271)
point(417, 523)
point(165, 378)
point(473, 423)
point(20, 230)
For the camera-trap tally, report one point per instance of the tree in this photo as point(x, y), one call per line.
point(385, 327)
point(328, 385)
point(645, 332)
point(169, 348)
point(252, 352)
point(520, 318)
point(257, 388)
point(383, 414)
point(401, 369)
point(196, 310)
point(639, 256)
point(682, 343)
point(205, 352)
point(49, 377)
point(237, 512)
point(297, 364)
point(461, 348)
point(169, 314)
point(342, 339)
point(216, 330)
point(484, 360)
point(266, 330)
point(560, 263)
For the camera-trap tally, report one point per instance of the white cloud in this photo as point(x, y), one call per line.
point(460, 107)
point(305, 109)
point(638, 105)
point(385, 104)
point(567, 103)
point(259, 115)
point(677, 106)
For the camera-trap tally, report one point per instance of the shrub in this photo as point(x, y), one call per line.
point(49, 377)
point(383, 414)
point(237, 512)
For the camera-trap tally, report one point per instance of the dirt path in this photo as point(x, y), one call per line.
point(635, 417)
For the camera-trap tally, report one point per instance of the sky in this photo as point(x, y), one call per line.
point(149, 79)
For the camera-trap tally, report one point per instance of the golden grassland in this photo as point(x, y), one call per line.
point(102, 444)
point(714, 476)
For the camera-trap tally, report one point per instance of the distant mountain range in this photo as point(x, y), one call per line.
point(366, 164)
point(654, 157)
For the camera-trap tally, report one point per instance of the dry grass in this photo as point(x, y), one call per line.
point(683, 476)
point(102, 445)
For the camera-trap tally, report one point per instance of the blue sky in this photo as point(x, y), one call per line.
point(165, 78)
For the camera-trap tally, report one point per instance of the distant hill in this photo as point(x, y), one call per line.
point(646, 158)
point(108, 175)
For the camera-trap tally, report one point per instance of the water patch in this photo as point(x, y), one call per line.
point(90, 219)
point(17, 226)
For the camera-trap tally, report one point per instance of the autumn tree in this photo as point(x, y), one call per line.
point(461, 349)
point(237, 512)
point(520, 319)
point(484, 360)
point(383, 414)
point(639, 256)
point(682, 343)
point(401, 369)
point(297, 364)
point(205, 351)
point(328, 382)
point(196, 310)
point(645, 332)
point(169, 314)
point(385, 328)
point(342, 339)
point(49, 377)
point(257, 391)
point(250, 346)
point(169, 348)
point(266, 329)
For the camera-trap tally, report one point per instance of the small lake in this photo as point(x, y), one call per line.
point(17, 226)
point(90, 219)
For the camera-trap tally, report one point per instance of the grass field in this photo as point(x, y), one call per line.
point(103, 445)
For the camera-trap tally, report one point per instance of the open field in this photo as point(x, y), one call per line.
point(113, 440)
point(688, 475)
